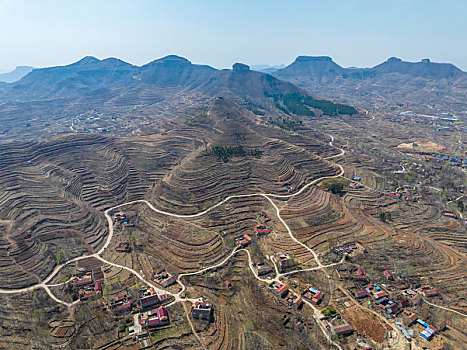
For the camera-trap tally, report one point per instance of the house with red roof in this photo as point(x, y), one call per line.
point(243, 240)
point(344, 329)
point(155, 318)
point(278, 288)
point(262, 230)
point(379, 295)
point(431, 292)
point(388, 275)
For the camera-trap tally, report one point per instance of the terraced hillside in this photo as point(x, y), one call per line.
point(53, 192)
point(202, 179)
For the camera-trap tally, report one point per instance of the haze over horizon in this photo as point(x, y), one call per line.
point(353, 33)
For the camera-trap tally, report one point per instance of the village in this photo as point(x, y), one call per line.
point(358, 298)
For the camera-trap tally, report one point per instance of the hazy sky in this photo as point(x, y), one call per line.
point(354, 32)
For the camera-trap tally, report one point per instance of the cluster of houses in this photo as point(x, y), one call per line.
point(122, 217)
point(295, 301)
point(444, 117)
point(349, 249)
point(446, 159)
point(86, 286)
point(283, 261)
point(313, 295)
point(149, 298)
point(260, 230)
point(336, 325)
point(355, 183)
point(410, 318)
point(359, 276)
point(122, 304)
point(278, 288)
point(164, 279)
point(390, 308)
point(157, 317)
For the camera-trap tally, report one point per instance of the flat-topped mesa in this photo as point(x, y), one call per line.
point(313, 59)
point(240, 67)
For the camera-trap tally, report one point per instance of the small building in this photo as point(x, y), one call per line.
point(360, 247)
point(148, 301)
point(392, 309)
point(123, 248)
point(313, 294)
point(83, 281)
point(123, 308)
point(261, 230)
point(361, 294)
point(283, 260)
point(405, 302)
point(201, 311)
point(261, 268)
point(243, 240)
point(416, 299)
point(98, 287)
point(86, 294)
point(428, 333)
point(408, 317)
point(431, 292)
point(164, 298)
point(278, 288)
point(121, 216)
point(228, 284)
point(360, 272)
point(379, 295)
point(294, 301)
point(298, 303)
point(388, 275)
point(355, 185)
point(165, 279)
point(356, 178)
point(360, 278)
point(441, 325)
point(317, 297)
point(344, 329)
point(382, 301)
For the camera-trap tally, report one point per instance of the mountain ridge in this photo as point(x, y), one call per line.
point(390, 84)
point(15, 75)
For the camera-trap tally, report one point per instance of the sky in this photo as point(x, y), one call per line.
point(359, 33)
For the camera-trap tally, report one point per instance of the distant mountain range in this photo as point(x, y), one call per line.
point(16, 74)
point(391, 83)
point(112, 79)
point(173, 85)
point(164, 88)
